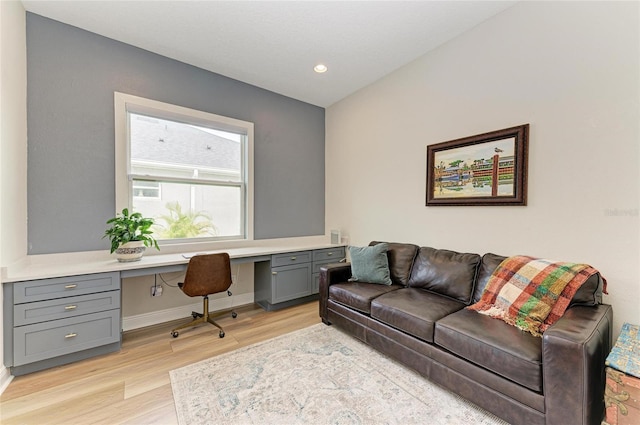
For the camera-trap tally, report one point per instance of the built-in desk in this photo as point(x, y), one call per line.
point(61, 308)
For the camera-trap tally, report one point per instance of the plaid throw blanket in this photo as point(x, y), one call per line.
point(531, 293)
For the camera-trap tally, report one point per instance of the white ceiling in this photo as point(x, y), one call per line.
point(275, 44)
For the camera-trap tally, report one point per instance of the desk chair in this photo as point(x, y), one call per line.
point(206, 274)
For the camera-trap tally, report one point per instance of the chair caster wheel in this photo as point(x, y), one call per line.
point(174, 334)
point(221, 334)
point(194, 315)
point(234, 314)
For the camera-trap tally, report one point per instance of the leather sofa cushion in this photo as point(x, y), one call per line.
point(445, 272)
point(358, 295)
point(589, 294)
point(488, 264)
point(401, 257)
point(493, 345)
point(413, 310)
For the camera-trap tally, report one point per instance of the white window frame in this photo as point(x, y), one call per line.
point(125, 103)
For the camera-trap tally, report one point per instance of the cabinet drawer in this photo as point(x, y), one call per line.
point(318, 264)
point(42, 341)
point(61, 308)
point(290, 258)
point(335, 254)
point(46, 289)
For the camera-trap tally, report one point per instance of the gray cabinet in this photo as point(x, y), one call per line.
point(290, 282)
point(291, 278)
point(49, 322)
point(322, 257)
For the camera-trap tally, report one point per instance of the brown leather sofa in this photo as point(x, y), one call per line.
point(420, 320)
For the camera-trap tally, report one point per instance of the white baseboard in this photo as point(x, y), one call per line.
point(161, 316)
point(5, 378)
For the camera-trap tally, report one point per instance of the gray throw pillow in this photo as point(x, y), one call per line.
point(370, 264)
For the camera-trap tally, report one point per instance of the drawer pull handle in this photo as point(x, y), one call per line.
point(329, 253)
point(71, 335)
point(293, 258)
point(71, 307)
point(72, 286)
point(274, 273)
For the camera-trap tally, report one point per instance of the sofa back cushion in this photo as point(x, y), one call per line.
point(489, 263)
point(401, 257)
point(445, 272)
point(589, 294)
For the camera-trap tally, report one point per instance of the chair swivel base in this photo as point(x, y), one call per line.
point(199, 318)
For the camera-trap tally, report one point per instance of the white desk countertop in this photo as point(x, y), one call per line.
point(72, 264)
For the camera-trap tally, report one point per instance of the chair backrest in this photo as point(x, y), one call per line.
point(207, 274)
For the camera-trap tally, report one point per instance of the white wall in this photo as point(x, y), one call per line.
point(13, 143)
point(571, 70)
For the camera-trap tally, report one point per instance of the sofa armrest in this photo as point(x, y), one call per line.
point(330, 274)
point(573, 353)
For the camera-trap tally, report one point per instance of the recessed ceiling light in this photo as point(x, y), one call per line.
point(320, 68)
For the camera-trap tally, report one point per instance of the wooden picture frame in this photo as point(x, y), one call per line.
point(486, 169)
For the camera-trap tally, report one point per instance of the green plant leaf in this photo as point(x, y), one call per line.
point(128, 228)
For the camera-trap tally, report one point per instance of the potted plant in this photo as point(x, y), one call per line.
point(130, 234)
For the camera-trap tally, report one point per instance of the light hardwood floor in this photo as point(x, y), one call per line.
point(132, 386)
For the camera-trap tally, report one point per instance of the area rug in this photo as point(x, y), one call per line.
point(316, 375)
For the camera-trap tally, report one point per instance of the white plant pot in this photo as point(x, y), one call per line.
point(130, 251)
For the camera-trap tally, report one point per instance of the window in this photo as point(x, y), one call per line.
point(143, 189)
point(189, 170)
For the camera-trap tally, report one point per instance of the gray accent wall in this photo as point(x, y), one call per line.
point(71, 77)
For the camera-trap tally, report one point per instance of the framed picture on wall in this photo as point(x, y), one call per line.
point(486, 169)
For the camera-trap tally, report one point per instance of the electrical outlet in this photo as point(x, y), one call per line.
point(156, 291)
